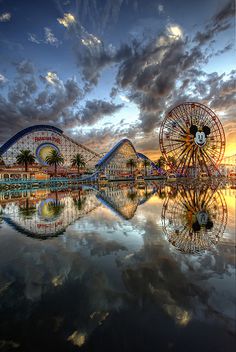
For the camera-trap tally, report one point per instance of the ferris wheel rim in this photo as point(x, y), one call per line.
point(215, 158)
point(173, 207)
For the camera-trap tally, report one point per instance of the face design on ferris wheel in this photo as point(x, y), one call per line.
point(200, 137)
point(202, 220)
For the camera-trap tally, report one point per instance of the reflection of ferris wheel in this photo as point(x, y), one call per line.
point(195, 220)
point(193, 136)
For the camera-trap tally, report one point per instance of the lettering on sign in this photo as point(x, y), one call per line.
point(51, 139)
point(59, 223)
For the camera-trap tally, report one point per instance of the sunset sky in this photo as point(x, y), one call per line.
point(102, 70)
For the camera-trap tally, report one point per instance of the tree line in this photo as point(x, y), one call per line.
point(55, 158)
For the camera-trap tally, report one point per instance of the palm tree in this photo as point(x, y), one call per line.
point(78, 161)
point(132, 194)
point(146, 163)
point(25, 157)
point(171, 161)
point(1, 219)
point(131, 163)
point(2, 161)
point(80, 202)
point(161, 162)
point(27, 211)
point(161, 194)
point(55, 208)
point(54, 158)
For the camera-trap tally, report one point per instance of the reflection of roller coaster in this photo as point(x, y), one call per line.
point(50, 216)
point(195, 219)
point(44, 214)
point(124, 202)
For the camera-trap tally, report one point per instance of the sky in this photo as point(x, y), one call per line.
point(103, 70)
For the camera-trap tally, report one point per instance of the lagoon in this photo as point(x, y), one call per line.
point(118, 267)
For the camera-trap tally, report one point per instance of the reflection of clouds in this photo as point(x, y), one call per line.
point(32, 264)
point(77, 338)
point(102, 266)
point(185, 287)
point(182, 284)
point(100, 246)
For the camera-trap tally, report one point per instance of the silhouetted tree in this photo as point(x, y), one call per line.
point(54, 158)
point(78, 161)
point(25, 157)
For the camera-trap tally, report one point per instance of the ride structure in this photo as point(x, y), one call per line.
point(41, 140)
point(192, 140)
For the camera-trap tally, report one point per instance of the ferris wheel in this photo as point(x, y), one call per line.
point(192, 138)
point(195, 219)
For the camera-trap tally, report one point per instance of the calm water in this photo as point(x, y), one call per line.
point(121, 268)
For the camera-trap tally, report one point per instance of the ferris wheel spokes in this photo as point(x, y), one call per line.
point(192, 135)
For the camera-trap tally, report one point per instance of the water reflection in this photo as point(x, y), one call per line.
point(124, 200)
point(112, 278)
point(45, 213)
point(194, 217)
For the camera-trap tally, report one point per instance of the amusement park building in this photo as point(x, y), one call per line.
point(115, 161)
point(41, 139)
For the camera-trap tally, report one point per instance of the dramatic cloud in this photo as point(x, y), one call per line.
point(90, 41)
point(67, 20)
point(5, 17)
point(227, 11)
point(219, 22)
point(25, 67)
point(124, 98)
point(166, 71)
point(92, 62)
point(153, 69)
point(222, 95)
point(2, 80)
point(26, 104)
point(52, 78)
point(58, 103)
point(160, 8)
point(100, 139)
point(95, 110)
point(50, 37)
point(174, 31)
point(33, 38)
point(151, 74)
point(92, 55)
point(99, 16)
